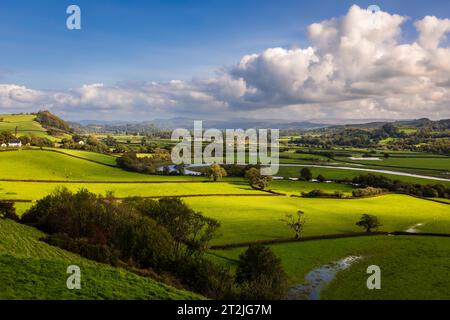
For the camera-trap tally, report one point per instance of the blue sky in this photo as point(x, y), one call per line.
point(156, 40)
point(231, 58)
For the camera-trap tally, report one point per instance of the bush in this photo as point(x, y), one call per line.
point(260, 274)
point(8, 211)
point(93, 220)
point(256, 179)
point(367, 192)
point(205, 277)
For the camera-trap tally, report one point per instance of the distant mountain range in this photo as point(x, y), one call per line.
point(188, 123)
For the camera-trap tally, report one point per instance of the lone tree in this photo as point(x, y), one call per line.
point(216, 172)
point(256, 179)
point(306, 174)
point(321, 178)
point(296, 223)
point(260, 274)
point(7, 210)
point(368, 222)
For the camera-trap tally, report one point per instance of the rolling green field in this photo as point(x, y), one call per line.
point(258, 218)
point(297, 187)
point(438, 163)
point(38, 190)
point(25, 123)
point(47, 165)
point(411, 268)
point(94, 156)
point(31, 269)
point(336, 174)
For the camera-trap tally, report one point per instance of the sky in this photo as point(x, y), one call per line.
point(215, 59)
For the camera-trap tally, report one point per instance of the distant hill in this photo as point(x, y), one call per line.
point(416, 123)
point(43, 124)
point(53, 123)
point(173, 123)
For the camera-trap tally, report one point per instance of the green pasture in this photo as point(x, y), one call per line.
point(411, 267)
point(336, 174)
point(98, 157)
point(37, 190)
point(297, 187)
point(26, 125)
point(258, 218)
point(47, 165)
point(438, 163)
point(31, 269)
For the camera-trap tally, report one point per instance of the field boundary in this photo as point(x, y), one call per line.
point(171, 196)
point(116, 181)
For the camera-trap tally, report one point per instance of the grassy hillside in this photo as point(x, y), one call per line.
point(26, 125)
point(94, 156)
point(31, 269)
point(47, 165)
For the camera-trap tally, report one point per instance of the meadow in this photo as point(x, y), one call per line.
point(48, 165)
point(423, 163)
point(411, 268)
point(258, 218)
point(339, 174)
point(25, 125)
point(38, 190)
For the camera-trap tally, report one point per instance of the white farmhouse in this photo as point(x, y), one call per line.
point(15, 143)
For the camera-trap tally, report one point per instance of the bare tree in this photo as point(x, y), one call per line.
point(295, 222)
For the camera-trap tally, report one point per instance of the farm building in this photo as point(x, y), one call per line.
point(15, 143)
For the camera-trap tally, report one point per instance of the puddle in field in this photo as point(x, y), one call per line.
point(413, 229)
point(317, 279)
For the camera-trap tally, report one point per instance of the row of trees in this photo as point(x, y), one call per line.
point(382, 182)
point(131, 162)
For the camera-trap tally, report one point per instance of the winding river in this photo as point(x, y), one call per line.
point(397, 173)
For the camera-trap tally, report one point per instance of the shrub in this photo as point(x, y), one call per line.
point(260, 274)
point(8, 211)
point(367, 192)
point(256, 179)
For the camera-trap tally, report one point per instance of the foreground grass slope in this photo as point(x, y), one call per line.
point(31, 269)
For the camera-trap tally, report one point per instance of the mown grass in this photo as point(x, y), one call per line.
point(31, 269)
point(257, 218)
point(411, 267)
